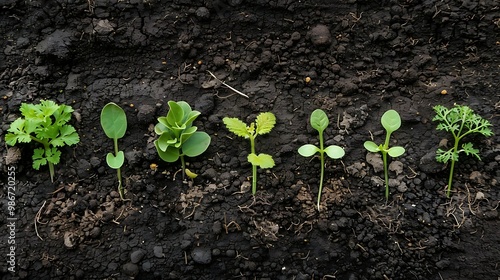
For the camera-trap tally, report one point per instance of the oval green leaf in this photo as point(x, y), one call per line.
point(371, 147)
point(113, 121)
point(171, 154)
point(396, 151)
point(117, 161)
point(391, 121)
point(165, 141)
point(187, 133)
point(334, 151)
point(196, 144)
point(319, 120)
point(175, 115)
point(308, 150)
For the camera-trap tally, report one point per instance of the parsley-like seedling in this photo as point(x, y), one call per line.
point(319, 121)
point(391, 121)
point(114, 124)
point(263, 124)
point(460, 121)
point(47, 124)
point(178, 136)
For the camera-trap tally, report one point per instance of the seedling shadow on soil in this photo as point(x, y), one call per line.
point(352, 60)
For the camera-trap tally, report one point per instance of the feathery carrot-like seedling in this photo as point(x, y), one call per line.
point(114, 124)
point(178, 136)
point(460, 121)
point(45, 123)
point(391, 121)
point(263, 124)
point(319, 121)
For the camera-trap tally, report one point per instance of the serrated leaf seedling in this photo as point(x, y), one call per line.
point(178, 136)
point(391, 121)
point(114, 124)
point(263, 124)
point(460, 121)
point(45, 123)
point(319, 121)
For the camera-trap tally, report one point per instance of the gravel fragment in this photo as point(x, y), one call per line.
point(320, 35)
point(202, 13)
point(158, 251)
point(137, 256)
point(130, 269)
point(202, 255)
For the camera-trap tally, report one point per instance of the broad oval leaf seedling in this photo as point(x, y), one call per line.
point(319, 121)
point(114, 124)
point(47, 124)
point(263, 124)
point(391, 121)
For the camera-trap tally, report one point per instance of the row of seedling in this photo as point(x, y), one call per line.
point(47, 124)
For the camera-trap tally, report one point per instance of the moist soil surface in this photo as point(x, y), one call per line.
point(354, 59)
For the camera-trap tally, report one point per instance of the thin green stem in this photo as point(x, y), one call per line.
point(120, 186)
point(322, 158)
point(254, 167)
point(387, 138)
point(384, 158)
point(183, 164)
point(386, 175)
point(118, 170)
point(452, 168)
point(115, 142)
point(46, 146)
point(51, 171)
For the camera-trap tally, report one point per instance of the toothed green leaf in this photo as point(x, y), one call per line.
point(264, 123)
point(261, 160)
point(237, 127)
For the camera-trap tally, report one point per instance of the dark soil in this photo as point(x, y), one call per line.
point(363, 58)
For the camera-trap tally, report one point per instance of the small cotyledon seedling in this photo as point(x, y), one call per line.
point(47, 124)
point(319, 121)
point(460, 121)
point(391, 121)
point(114, 124)
point(263, 124)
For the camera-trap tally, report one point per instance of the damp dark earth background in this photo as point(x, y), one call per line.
point(353, 59)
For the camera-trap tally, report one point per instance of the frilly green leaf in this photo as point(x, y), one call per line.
point(261, 160)
point(264, 123)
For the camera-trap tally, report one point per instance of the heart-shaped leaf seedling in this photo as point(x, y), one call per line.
point(117, 161)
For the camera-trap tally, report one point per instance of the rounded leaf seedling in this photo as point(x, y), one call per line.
point(319, 121)
point(391, 121)
point(114, 124)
